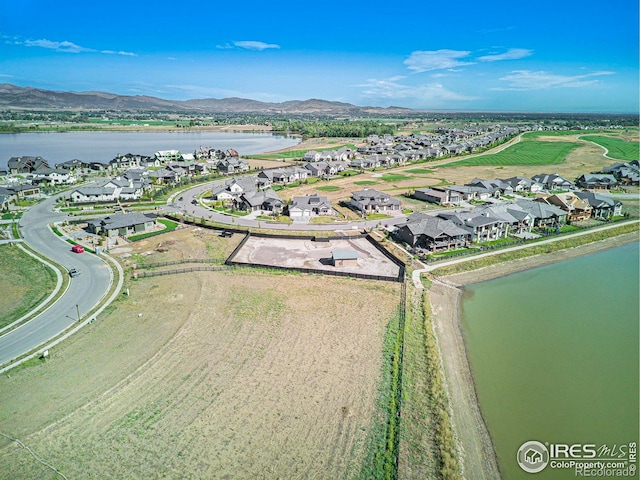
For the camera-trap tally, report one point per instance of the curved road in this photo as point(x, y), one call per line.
point(84, 292)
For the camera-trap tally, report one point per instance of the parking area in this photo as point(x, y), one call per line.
point(306, 253)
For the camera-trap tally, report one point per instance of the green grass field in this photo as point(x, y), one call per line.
point(394, 177)
point(617, 148)
point(329, 188)
point(25, 282)
point(365, 182)
point(419, 170)
point(528, 151)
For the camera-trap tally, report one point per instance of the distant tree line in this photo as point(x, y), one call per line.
point(335, 128)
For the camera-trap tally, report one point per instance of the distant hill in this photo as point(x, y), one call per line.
point(14, 97)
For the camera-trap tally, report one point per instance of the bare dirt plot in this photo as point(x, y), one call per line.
point(225, 375)
point(290, 253)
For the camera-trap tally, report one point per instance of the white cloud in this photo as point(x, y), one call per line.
point(432, 94)
point(120, 52)
point(253, 45)
point(511, 54)
point(542, 80)
point(68, 47)
point(64, 46)
point(427, 60)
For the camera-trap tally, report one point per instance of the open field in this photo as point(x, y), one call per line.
point(24, 283)
point(216, 375)
point(616, 148)
point(302, 253)
point(526, 152)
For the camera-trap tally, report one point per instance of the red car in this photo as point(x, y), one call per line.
point(77, 249)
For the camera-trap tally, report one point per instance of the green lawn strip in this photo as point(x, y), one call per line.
point(25, 283)
point(535, 250)
point(394, 177)
point(328, 188)
point(169, 224)
point(348, 173)
point(616, 148)
point(527, 152)
point(377, 216)
point(428, 447)
point(366, 182)
point(380, 444)
point(419, 170)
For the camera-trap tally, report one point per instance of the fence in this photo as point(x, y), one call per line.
point(174, 262)
point(183, 270)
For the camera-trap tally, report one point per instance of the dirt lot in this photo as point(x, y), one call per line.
point(212, 375)
point(309, 254)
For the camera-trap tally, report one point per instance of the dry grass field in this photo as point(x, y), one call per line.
point(235, 374)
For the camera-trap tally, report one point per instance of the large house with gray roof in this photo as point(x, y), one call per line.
point(122, 224)
point(370, 201)
point(309, 206)
point(433, 233)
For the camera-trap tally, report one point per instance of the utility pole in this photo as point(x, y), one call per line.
point(78, 311)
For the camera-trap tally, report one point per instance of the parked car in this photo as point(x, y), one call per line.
point(74, 272)
point(77, 249)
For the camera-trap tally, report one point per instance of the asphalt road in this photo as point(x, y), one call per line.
point(84, 291)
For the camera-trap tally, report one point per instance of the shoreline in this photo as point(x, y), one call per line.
point(477, 452)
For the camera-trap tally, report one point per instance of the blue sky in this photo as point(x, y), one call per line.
point(543, 56)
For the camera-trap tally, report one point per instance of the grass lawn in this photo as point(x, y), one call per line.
point(394, 177)
point(377, 216)
point(170, 225)
point(348, 173)
point(25, 282)
point(365, 182)
point(296, 153)
point(527, 152)
point(616, 148)
point(329, 188)
point(419, 170)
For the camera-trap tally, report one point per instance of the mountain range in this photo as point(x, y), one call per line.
point(15, 97)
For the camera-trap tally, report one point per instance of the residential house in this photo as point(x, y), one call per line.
point(164, 176)
point(495, 187)
point(481, 224)
point(304, 208)
point(311, 156)
point(434, 234)
point(122, 224)
point(263, 200)
point(235, 187)
point(167, 156)
point(232, 165)
point(574, 206)
point(438, 195)
point(553, 182)
point(92, 195)
point(597, 181)
point(545, 215)
point(129, 160)
point(73, 165)
point(52, 176)
point(25, 164)
point(370, 201)
point(523, 184)
point(603, 207)
point(627, 173)
point(518, 220)
point(4, 202)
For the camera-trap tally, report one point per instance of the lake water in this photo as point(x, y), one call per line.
point(104, 146)
point(554, 352)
